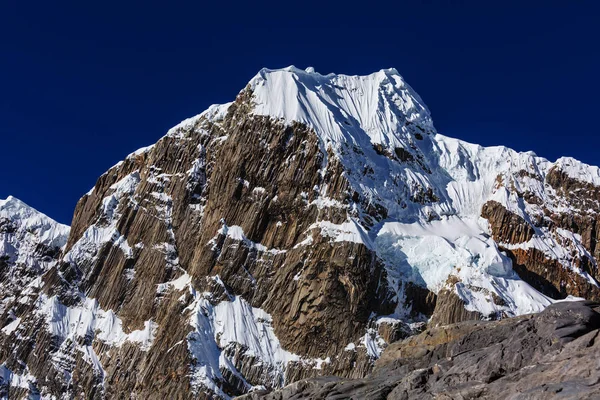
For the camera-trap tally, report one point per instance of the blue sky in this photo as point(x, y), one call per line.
point(83, 84)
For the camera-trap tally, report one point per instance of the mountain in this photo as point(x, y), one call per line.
point(30, 245)
point(295, 232)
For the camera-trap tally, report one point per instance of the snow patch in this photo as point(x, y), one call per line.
point(89, 320)
point(236, 232)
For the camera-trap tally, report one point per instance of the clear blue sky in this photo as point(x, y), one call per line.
point(85, 83)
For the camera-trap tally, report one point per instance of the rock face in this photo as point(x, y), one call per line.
point(550, 355)
point(295, 232)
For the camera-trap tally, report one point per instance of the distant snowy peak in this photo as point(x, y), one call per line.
point(376, 110)
point(24, 217)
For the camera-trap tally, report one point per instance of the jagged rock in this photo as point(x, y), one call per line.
point(548, 276)
point(533, 357)
point(450, 309)
point(506, 227)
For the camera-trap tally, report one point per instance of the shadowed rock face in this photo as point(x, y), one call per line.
point(506, 227)
point(546, 356)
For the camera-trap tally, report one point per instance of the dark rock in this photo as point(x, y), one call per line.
point(550, 355)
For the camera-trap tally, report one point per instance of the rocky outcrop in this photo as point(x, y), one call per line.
point(450, 309)
point(550, 355)
point(550, 277)
point(553, 250)
point(506, 227)
point(584, 198)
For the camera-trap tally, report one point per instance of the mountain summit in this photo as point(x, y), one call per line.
point(295, 232)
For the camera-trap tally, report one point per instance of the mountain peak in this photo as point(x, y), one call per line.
point(49, 231)
point(379, 108)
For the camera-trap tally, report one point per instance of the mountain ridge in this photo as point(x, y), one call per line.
point(323, 214)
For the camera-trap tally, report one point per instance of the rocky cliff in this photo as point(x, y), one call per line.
point(295, 232)
point(551, 355)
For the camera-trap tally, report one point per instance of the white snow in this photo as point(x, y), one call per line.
point(124, 187)
point(430, 252)
point(140, 151)
point(28, 229)
point(215, 112)
point(11, 327)
point(340, 107)
point(349, 231)
point(25, 235)
point(236, 232)
point(230, 323)
point(47, 231)
point(180, 283)
point(373, 343)
point(237, 322)
point(350, 347)
point(577, 170)
point(87, 248)
point(559, 245)
point(23, 381)
point(90, 320)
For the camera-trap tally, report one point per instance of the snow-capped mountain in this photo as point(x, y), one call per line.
point(294, 232)
point(30, 243)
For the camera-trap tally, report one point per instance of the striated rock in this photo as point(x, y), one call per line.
point(533, 251)
point(450, 309)
point(212, 197)
point(506, 227)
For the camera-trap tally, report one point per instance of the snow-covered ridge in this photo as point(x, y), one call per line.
point(351, 113)
point(29, 244)
point(48, 231)
point(364, 121)
point(342, 107)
